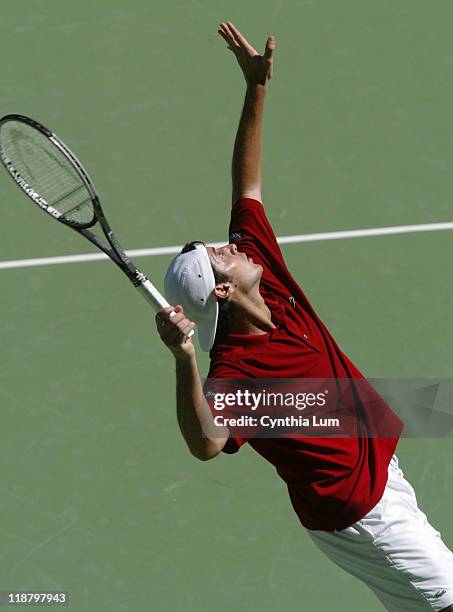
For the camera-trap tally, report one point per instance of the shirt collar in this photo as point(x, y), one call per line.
point(244, 342)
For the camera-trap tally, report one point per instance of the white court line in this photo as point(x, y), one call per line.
point(172, 250)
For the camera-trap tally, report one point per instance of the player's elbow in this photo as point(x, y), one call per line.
point(207, 451)
point(206, 456)
point(203, 455)
point(250, 192)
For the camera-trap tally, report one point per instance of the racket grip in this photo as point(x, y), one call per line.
point(152, 295)
point(155, 298)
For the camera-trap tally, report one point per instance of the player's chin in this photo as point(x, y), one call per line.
point(258, 270)
point(255, 270)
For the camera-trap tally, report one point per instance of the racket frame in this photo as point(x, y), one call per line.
point(113, 249)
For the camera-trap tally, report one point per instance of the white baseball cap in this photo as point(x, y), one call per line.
point(190, 282)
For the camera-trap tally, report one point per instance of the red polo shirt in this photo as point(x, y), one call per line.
point(332, 482)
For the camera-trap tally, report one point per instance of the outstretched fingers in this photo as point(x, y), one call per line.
point(234, 38)
point(243, 42)
point(228, 37)
point(255, 67)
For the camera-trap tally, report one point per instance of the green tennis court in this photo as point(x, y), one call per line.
point(98, 495)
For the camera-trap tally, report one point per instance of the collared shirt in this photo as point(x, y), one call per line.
point(332, 482)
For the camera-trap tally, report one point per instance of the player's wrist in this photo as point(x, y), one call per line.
point(256, 89)
point(184, 355)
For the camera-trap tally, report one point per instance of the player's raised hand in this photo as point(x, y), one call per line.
point(257, 68)
point(174, 331)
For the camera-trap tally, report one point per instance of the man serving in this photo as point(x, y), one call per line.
point(348, 492)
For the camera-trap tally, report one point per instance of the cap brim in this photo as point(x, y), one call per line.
point(207, 325)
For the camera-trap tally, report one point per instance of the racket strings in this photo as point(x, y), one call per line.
point(69, 194)
point(47, 171)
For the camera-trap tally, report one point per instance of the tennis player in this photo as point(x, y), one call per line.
point(349, 493)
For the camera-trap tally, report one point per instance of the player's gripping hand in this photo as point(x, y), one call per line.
point(257, 69)
point(174, 331)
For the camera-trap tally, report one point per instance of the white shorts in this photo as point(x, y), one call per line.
point(395, 551)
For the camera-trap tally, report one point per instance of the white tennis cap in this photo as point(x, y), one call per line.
point(190, 282)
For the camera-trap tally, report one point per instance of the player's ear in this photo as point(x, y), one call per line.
point(222, 291)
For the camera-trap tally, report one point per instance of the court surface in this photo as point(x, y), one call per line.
point(98, 494)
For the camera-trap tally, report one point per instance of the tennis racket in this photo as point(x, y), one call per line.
point(52, 176)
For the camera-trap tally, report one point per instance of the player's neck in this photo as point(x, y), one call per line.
point(252, 315)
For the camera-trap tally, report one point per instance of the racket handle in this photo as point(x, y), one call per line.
point(156, 299)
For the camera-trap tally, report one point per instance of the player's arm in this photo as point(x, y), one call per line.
point(257, 70)
point(193, 412)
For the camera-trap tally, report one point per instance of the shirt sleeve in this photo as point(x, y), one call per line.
point(252, 233)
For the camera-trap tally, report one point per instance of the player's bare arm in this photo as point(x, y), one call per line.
point(257, 70)
point(192, 409)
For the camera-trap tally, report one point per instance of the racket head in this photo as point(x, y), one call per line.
point(47, 171)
